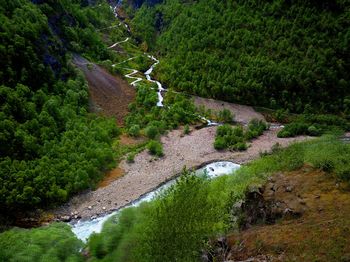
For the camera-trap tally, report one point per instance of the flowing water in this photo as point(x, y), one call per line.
point(83, 229)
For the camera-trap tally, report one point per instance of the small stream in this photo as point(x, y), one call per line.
point(83, 229)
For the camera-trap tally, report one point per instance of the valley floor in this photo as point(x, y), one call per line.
point(147, 172)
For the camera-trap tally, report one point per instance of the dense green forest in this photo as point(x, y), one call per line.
point(278, 54)
point(50, 147)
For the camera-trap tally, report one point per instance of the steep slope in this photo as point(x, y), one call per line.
point(108, 93)
point(50, 147)
point(279, 54)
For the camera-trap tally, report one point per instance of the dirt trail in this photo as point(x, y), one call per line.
point(109, 94)
point(147, 173)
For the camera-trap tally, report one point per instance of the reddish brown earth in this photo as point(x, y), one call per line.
point(109, 94)
point(111, 176)
point(319, 229)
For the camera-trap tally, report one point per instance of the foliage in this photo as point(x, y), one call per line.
point(134, 130)
point(255, 128)
point(50, 147)
point(177, 222)
point(187, 129)
point(151, 131)
point(156, 120)
point(314, 125)
point(228, 137)
point(53, 243)
point(155, 148)
point(278, 54)
point(225, 116)
point(234, 138)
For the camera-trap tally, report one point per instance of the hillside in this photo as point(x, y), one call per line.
point(49, 147)
point(278, 54)
point(174, 130)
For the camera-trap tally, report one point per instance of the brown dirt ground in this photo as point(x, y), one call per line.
point(111, 176)
point(130, 141)
point(322, 233)
point(109, 94)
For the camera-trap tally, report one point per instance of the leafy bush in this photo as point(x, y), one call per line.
point(220, 143)
point(314, 125)
point(155, 148)
point(151, 131)
point(225, 116)
point(255, 128)
point(134, 130)
point(53, 243)
point(235, 138)
point(186, 129)
point(179, 222)
point(179, 111)
point(293, 129)
point(131, 157)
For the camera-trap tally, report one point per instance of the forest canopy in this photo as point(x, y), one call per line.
point(278, 54)
point(50, 147)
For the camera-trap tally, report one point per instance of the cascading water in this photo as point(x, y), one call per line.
point(83, 229)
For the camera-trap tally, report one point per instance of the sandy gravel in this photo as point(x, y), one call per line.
point(243, 114)
point(148, 173)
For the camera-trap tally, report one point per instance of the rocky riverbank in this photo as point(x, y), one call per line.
point(148, 172)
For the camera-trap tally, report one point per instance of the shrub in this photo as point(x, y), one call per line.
point(314, 125)
point(226, 116)
point(223, 130)
point(281, 115)
point(151, 132)
point(134, 130)
point(313, 131)
point(220, 143)
point(131, 157)
point(241, 146)
point(293, 129)
point(155, 148)
point(52, 243)
point(229, 137)
point(186, 129)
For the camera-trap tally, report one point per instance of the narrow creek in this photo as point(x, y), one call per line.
point(83, 229)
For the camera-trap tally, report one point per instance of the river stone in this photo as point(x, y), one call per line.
point(66, 218)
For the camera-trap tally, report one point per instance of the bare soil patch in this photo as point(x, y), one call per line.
point(319, 233)
point(109, 94)
point(130, 141)
point(111, 176)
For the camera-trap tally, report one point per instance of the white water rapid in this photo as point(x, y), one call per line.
point(83, 229)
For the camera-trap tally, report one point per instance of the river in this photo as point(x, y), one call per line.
point(83, 229)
